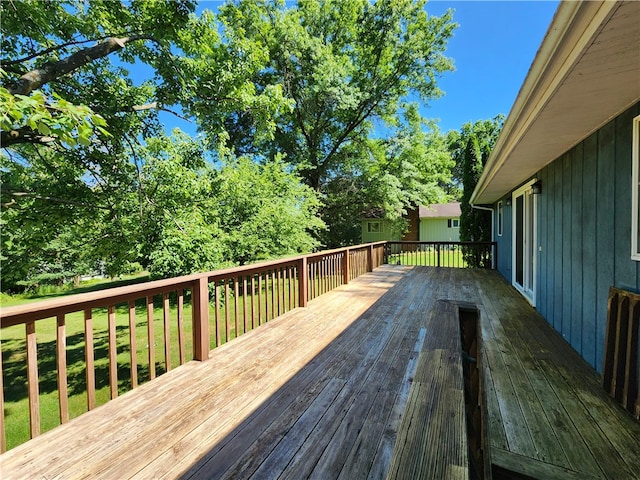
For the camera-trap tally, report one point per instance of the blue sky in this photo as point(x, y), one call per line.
point(492, 49)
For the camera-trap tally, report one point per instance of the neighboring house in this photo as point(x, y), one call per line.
point(560, 176)
point(377, 230)
point(435, 223)
point(440, 222)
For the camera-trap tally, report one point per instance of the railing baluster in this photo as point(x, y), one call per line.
point(253, 301)
point(236, 291)
point(244, 303)
point(113, 359)
point(217, 316)
point(181, 326)
point(61, 364)
point(303, 281)
point(286, 290)
point(260, 299)
point(324, 266)
point(279, 291)
point(273, 294)
point(167, 331)
point(227, 313)
point(90, 372)
point(32, 380)
point(151, 339)
point(133, 354)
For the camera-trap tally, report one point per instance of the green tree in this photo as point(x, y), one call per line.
point(266, 211)
point(74, 121)
point(83, 144)
point(388, 175)
point(470, 148)
point(197, 217)
point(347, 66)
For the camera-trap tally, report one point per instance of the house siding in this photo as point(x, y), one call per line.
point(385, 234)
point(504, 241)
point(437, 230)
point(413, 226)
point(583, 236)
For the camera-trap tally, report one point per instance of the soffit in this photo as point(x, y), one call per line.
point(586, 72)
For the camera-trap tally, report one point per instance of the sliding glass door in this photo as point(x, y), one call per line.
point(524, 242)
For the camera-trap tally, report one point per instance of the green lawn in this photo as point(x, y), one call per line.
point(14, 353)
point(429, 258)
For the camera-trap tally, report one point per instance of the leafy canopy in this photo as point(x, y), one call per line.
point(470, 148)
point(348, 67)
point(304, 112)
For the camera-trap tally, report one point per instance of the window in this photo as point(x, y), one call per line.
point(374, 227)
point(453, 223)
point(635, 199)
point(500, 217)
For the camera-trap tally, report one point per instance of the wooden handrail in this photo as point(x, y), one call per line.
point(18, 314)
point(268, 289)
point(225, 303)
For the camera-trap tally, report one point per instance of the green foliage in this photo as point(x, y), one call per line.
point(347, 65)
point(90, 178)
point(470, 148)
point(266, 211)
point(198, 218)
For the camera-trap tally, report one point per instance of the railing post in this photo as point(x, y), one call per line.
point(370, 259)
point(438, 254)
point(303, 281)
point(200, 300)
point(346, 266)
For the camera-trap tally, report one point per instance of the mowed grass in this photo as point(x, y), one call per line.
point(15, 365)
point(224, 325)
point(429, 258)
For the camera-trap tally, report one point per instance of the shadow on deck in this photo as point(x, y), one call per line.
point(321, 392)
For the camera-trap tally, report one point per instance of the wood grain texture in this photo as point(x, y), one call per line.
point(61, 368)
point(32, 380)
point(327, 391)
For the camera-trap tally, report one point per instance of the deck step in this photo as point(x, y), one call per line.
point(509, 465)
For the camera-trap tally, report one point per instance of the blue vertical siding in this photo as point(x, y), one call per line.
point(576, 249)
point(504, 241)
point(584, 236)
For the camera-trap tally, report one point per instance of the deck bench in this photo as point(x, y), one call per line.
point(442, 435)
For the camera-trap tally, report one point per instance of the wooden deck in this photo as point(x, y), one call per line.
point(320, 392)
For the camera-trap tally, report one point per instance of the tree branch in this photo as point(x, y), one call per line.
point(62, 46)
point(50, 199)
point(53, 70)
point(23, 135)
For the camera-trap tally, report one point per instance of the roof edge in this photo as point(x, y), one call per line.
point(571, 31)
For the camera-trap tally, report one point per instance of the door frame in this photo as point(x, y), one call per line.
point(530, 233)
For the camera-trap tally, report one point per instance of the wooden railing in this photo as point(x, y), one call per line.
point(442, 254)
point(621, 363)
point(114, 328)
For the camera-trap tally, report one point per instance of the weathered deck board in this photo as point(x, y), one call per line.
point(321, 392)
point(432, 442)
point(598, 438)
